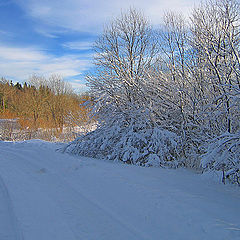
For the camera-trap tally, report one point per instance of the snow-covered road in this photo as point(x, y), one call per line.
point(46, 195)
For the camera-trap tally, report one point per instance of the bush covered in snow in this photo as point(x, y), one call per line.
point(223, 154)
point(133, 143)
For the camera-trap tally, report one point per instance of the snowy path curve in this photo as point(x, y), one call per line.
point(46, 195)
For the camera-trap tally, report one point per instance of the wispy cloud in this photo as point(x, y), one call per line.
point(78, 86)
point(78, 45)
point(90, 15)
point(45, 33)
point(20, 63)
point(20, 54)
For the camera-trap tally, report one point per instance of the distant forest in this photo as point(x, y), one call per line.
point(42, 103)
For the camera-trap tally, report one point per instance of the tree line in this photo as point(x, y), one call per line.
point(46, 103)
point(171, 96)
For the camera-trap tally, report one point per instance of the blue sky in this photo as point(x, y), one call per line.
point(55, 36)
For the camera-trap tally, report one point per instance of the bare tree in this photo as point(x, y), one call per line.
point(123, 53)
point(58, 86)
point(216, 39)
point(175, 59)
point(55, 83)
point(216, 42)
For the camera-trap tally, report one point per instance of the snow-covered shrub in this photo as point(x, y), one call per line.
point(223, 154)
point(134, 143)
point(191, 150)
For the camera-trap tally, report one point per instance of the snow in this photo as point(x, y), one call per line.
point(46, 195)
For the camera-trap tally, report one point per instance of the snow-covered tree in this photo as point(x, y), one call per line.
point(133, 97)
point(168, 99)
point(216, 40)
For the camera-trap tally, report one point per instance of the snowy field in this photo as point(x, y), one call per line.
point(46, 195)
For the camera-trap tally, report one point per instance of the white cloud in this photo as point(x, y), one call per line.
point(78, 45)
point(90, 15)
point(20, 54)
point(45, 33)
point(78, 87)
point(19, 63)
